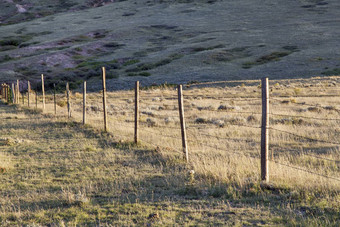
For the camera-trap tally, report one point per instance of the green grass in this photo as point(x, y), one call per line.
point(274, 56)
point(333, 72)
point(150, 66)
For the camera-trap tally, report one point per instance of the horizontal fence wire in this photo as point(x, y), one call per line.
point(306, 96)
point(160, 146)
point(305, 170)
point(305, 137)
point(222, 82)
point(300, 103)
point(306, 154)
point(235, 99)
point(226, 138)
point(228, 151)
point(159, 133)
point(200, 125)
point(160, 116)
point(161, 127)
point(300, 116)
point(230, 111)
point(322, 158)
point(165, 104)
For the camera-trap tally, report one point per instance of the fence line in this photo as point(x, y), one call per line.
point(231, 111)
point(226, 138)
point(318, 157)
point(307, 171)
point(162, 134)
point(299, 116)
point(160, 146)
point(306, 154)
point(305, 137)
point(230, 151)
point(301, 103)
point(170, 97)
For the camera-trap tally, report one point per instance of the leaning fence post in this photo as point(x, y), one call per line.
point(136, 110)
point(68, 100)
point(84, 103)
point(104, 100)
point(43, 90)
point(181, 117)
point(55, 100)
point(265, 130)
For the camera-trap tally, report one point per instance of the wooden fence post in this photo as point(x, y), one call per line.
point(136, 111)
point(7, 93)
point(84, 103)
point(2, 91)
point(16, 88)
point(265, 130)
point(68, 100)
point(13, 94)
point(36, 97)
point(17, 93)
point(43, 90)
point(182, 120)
point(28, 93)
point(104, 100)
point(55, 100)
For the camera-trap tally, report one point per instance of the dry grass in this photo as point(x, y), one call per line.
point(106, 173)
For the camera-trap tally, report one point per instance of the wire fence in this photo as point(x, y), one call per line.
point(160, 126)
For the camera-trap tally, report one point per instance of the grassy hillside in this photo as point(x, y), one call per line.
point(56, 171)
point(168, 41)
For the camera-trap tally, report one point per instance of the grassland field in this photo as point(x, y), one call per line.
point(57, 172)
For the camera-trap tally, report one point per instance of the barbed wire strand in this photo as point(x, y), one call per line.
point(225, 138)
point(230, 111)
point(304, 153)
point(223, 82)
point(306, 96)
point(160, 146)
point(299, 116)
point(305, 137)
point(307, 171)
point(228, 151)
point(165, 135)
point(301, 103)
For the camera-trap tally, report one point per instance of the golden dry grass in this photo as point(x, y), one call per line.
point(225, 143)
point(223, 127)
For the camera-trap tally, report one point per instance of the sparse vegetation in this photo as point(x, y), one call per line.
point(275, 56)
point(334, 72)
point(55, 171)
point(78, 175)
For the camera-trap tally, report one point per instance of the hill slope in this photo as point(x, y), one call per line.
point(175, 41)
